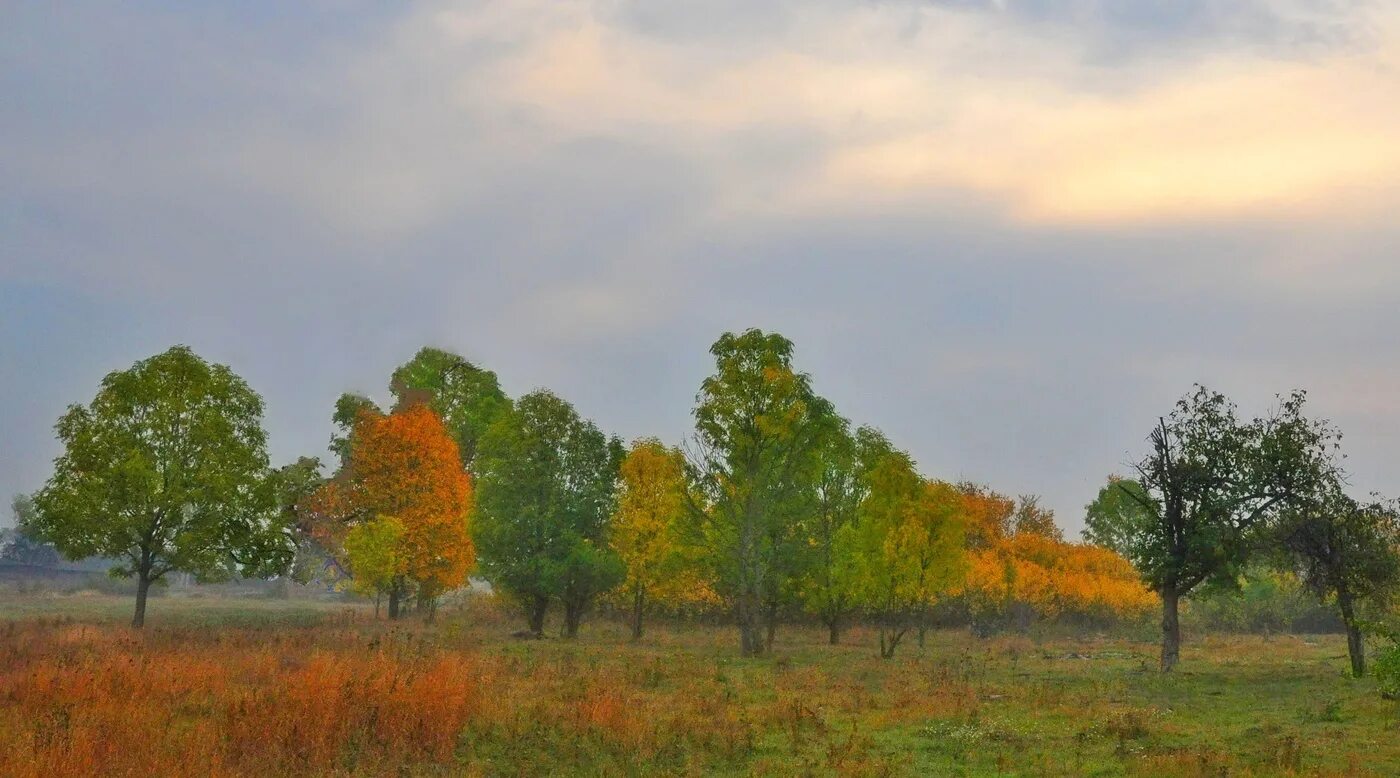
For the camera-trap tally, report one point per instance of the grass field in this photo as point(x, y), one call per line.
point(230, 687)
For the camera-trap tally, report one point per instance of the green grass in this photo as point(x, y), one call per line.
point(1011, 705)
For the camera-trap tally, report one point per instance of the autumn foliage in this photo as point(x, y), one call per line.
point(1048, 578)
point(662, 570)
point(405, 480)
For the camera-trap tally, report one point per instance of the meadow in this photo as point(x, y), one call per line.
point(268, 687)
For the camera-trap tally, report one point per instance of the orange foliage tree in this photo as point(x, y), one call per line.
point(406, 465)
point(1020, 568)
point(988, 515)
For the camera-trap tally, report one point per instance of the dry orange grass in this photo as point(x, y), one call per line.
point(80, 699)
point(84, 699)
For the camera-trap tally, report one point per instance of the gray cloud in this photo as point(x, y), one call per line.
point(1116, 31)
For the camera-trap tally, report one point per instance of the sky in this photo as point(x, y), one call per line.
point(1009, 233)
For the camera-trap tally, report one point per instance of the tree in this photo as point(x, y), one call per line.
point(589, 569)
point(758, 426)
point(295, 484)
point(22, 508)
point(546, 494)
point(1032, 519)
point(348, 409)
point(841, 486)
point(1343, 550)
point(166, 470)
point(1212, 484)
point(374, 554)
point(18, 545)
point(645, 528)
point(1117, 518)
point(989, 515)
point(467, 398)
point(908, 546)
point(406, 465)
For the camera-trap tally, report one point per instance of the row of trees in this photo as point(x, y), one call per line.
point(775, 504)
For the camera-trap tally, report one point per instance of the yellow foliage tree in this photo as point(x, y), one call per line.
point(372, 552)
point(646, 531)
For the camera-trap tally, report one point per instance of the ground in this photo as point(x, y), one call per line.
point(267, 687)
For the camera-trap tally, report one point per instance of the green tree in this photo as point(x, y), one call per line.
point(1213, 484)
point(22, 509)
point(907, 542)
point(758, 427)
point(295, 484)
point(1344, 551)
point(589, 569)
point(1117, 519)
point(166, 470)
point(373, 550)
point(348, 409)
point(841, 486)
point(544, 498)
point(467, 398)
point(18, 545)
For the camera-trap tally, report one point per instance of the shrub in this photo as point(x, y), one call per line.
point(1386, 668)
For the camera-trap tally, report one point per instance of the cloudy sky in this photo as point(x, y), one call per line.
point(1009, 233)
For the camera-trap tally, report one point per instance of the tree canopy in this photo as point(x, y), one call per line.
point(467, 398)
point(1120, 517)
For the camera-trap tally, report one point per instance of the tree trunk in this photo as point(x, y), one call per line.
point(750, 628)
point(637, 600)
point(395, 592)
point(284, 581)
point(377, 595)
point(1356, 648)
point(573, 614)
point(923, 630)
point(833, 626)
point(889, 639)
point(1171, 628)
point(535, 613)
point(143, 588)
point(772, 628)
